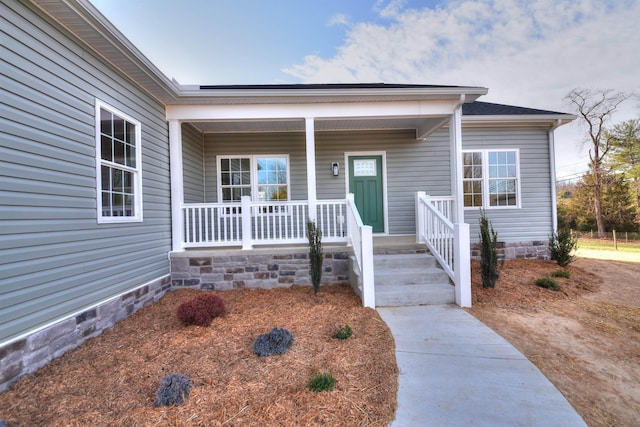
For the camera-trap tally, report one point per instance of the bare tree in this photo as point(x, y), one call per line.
point(595, 108)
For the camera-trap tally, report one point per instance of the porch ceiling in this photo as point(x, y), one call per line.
point(422, 125)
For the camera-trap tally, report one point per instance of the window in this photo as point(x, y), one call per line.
point(119, 183)
point(264, 178)
point(491, 178)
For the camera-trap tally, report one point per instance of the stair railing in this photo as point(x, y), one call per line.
point(449, 243)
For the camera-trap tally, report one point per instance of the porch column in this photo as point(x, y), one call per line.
point(177, 186)
point(455, 138)
point(311, 166)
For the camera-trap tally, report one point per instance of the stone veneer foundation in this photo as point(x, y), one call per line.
point(517, 250)
point(26, 355)
point(260, 268)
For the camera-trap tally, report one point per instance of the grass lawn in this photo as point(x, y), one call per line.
point(608, 245)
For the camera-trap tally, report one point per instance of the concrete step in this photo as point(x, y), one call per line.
point(404, 261)
point(411, 279)
point(409, 295)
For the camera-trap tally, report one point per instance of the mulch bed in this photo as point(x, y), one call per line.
point(516, 286)
point(112, 379)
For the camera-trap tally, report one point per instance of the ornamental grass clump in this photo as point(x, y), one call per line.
point(201, 309)
point(548, 283)
point(173, 390)
point(322, 382)
point(343, 333)
point(565, 274)
point(277, 341)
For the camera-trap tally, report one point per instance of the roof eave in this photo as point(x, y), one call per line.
point(553, 120)
point(88, 25)
point(189, 94)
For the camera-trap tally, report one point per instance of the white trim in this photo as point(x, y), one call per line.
point(485, 178)
point(176, 174)
point(385, 199)
point(137, 171)
point(253, 170)
point(552, 161)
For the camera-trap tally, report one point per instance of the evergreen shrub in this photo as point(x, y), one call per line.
point(488, 252)
point(201, 309)
point(562, 245)
point(173, 390)
point(277, 341)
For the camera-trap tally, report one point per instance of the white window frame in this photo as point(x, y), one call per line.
point(486, 179)
point(135, 171)
point(253, 167)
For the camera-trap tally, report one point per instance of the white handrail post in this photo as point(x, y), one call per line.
point(368, 284)
point(420, 217)
point(247, 241)
point(462, 271)
point(350, 199)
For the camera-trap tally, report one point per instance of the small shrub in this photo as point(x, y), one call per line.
point(201, 309)
point(343, 333)
point(173, 390)
point(561, 273)
point(562, 246)
point(322, 382)
point(277, 341)
point(488, 253)
point(548, 283)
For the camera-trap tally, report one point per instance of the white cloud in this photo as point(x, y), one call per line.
point(338, 19)
point(526, 52)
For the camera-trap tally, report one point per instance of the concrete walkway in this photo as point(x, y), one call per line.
point(455, 371)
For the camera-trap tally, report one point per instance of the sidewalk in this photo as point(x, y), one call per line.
point(455, 371)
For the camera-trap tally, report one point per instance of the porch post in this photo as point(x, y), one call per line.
point(462, 260)
point(177, 186)
point(455, 137)
point(311, 167)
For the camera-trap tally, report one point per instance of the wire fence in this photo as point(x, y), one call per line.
point(620, 236)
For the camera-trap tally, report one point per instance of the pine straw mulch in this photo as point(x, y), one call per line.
point(112, 379)
point(516, 286)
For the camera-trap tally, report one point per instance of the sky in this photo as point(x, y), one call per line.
point(526, 52)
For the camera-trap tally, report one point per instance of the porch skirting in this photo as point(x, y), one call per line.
point(259, 268)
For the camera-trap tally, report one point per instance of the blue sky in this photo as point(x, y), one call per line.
point(527, 52)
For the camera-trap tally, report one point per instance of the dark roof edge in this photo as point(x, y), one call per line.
point(481, 108)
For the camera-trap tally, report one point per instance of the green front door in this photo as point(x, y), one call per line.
point(365, 182)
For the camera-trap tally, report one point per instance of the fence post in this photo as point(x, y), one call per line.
point(462, 268)
point(247, 241)
point(368, 282)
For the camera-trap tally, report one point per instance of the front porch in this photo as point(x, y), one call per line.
point(356, 161)
point(263, 245)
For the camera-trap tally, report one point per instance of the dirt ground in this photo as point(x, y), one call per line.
point(584, 338)
point(112, 379)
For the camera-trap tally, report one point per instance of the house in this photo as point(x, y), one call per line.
point(117, 183)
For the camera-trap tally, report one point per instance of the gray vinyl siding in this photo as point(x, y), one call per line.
point(533, 221)
point(411, 165)
point(55, 259)
point(193, 167)
point(292, 144)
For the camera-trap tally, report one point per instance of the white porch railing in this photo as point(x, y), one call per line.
point(448, 242)
point(248, 223)
point(360, 237)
